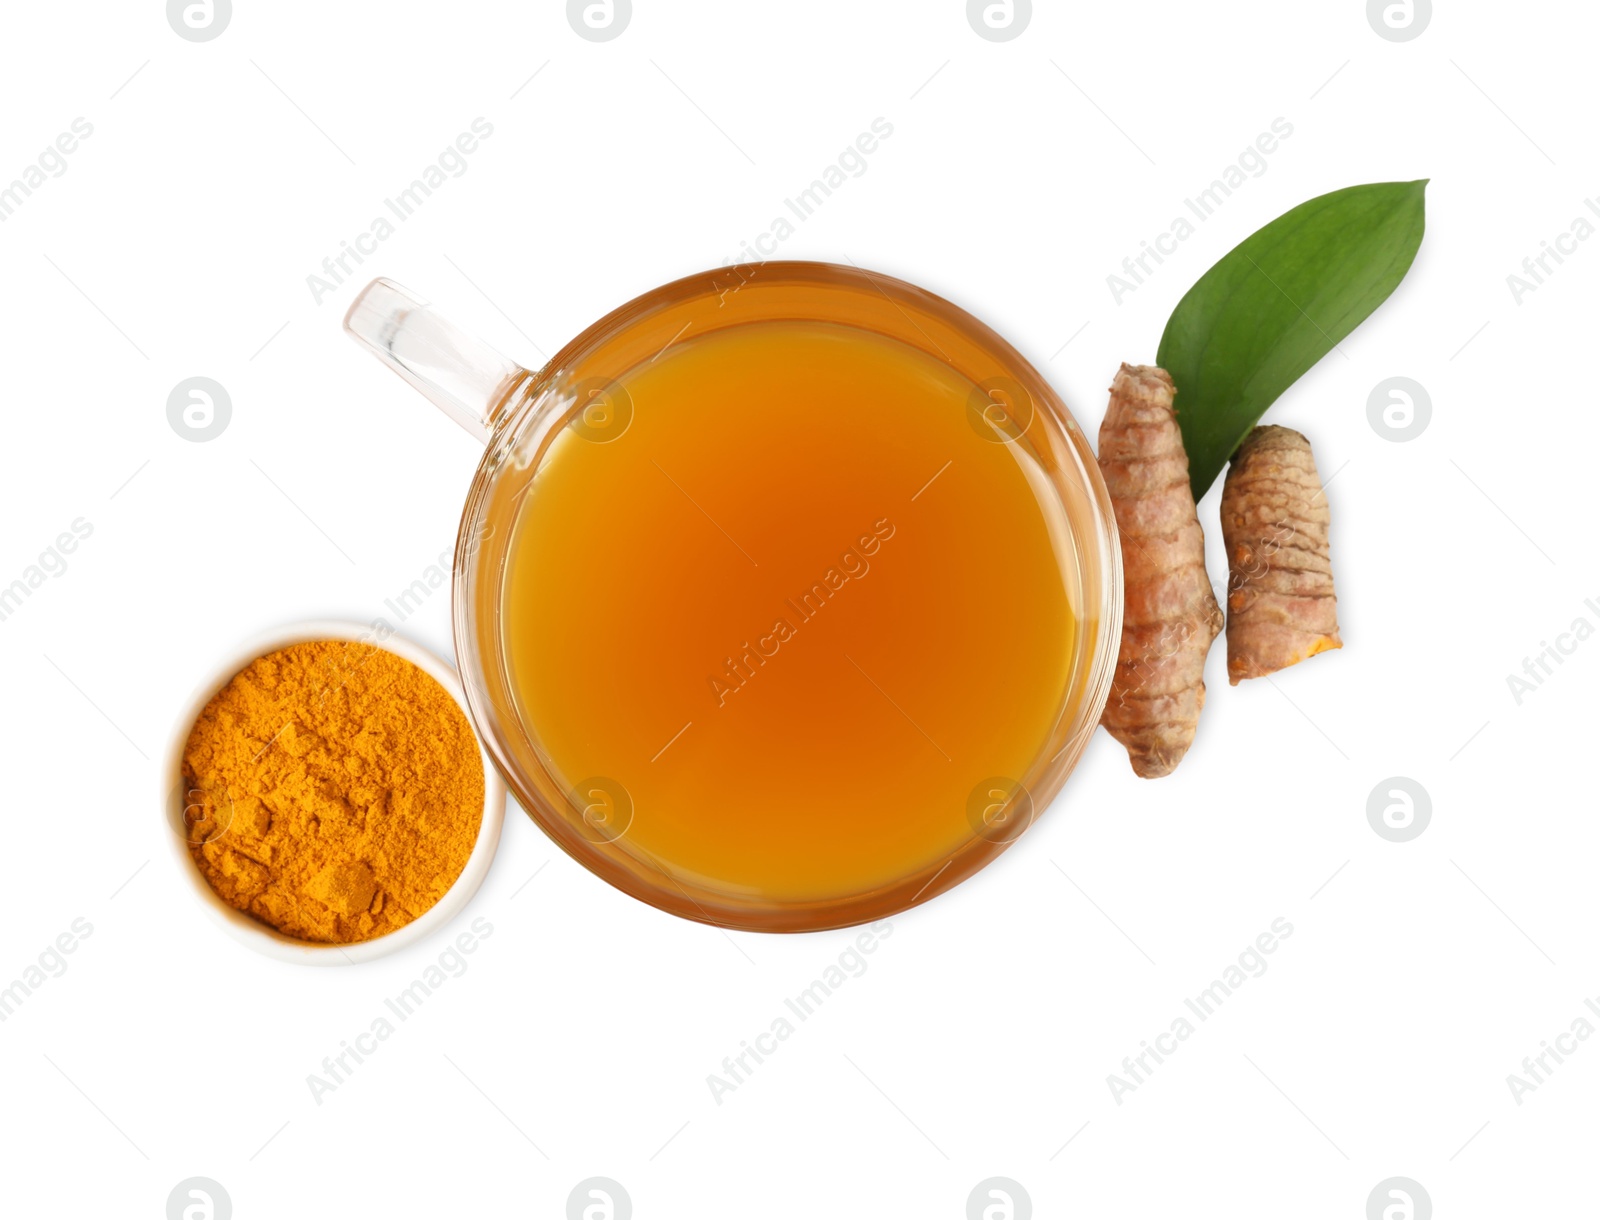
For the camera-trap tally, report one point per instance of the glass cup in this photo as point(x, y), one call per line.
point(518, 414)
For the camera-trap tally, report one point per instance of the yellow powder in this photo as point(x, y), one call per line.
point(335, 791)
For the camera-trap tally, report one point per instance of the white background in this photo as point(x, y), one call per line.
point(178, 242)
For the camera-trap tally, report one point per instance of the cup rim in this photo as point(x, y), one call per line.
point(511, 444)
point(249, 931)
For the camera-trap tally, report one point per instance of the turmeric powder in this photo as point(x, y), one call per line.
point(341, 791)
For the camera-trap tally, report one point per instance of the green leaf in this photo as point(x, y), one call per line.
point(1276, 304)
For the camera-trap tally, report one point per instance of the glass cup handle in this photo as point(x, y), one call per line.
point(469, 381)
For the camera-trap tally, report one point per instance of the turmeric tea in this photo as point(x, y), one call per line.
point(335, 791)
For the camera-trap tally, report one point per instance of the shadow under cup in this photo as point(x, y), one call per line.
point(569, 535)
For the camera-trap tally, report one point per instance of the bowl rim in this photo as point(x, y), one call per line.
point(249, 931)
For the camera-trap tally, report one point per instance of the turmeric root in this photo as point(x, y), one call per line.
point(1170, 615)
point(1281, 607)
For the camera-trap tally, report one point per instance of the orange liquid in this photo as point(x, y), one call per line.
point(798, 610)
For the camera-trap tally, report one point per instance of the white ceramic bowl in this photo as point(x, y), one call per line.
point(258, 935)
